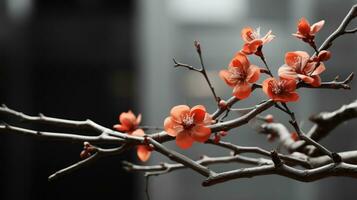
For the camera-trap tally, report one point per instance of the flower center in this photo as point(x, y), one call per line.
point(278, 87)
point(187, 121)
point(238, 74)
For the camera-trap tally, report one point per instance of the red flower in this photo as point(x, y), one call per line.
point(298, 66)
point(188, 125)
point(307, 32)
point(129, 124)
point(252, 40)
point(282, 90)
point(239, 75)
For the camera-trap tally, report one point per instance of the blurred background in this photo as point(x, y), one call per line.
point(94, 59)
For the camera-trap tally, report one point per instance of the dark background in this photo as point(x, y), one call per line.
point(70, 59)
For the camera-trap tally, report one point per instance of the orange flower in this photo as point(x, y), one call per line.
point(252, 40)
point(239, 74)
point(143, 151)
point(298, 66)
point(307, 32)
point(129, 124)
point(188, 125)
point(282, 90)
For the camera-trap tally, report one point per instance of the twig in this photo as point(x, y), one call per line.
point(266, 65)
point(332, 84)
point(334, 156)
point(98, 154)
point(201, 70)
point(341, 30)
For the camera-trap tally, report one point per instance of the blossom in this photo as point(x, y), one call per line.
point(143, 151)
point(239, 75)
point(307, 32)
point(299, 66)
point(129, 124)
point(252, 40)
point(188, 125)
point(282, 90)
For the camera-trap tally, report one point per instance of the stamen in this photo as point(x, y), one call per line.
point(188, 121)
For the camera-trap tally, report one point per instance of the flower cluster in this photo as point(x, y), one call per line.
point(189, 125)
point(298, 67)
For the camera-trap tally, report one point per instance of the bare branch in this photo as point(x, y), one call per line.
point(341, 30)
point(57, 122)
point(98, 154)
point(307, 175)
point(175, 156)
point(205, 160)
point(103, 138)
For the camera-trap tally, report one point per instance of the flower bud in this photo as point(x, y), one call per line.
point(222, 104)
point(269, 118)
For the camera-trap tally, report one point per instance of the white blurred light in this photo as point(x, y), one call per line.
point(207, 11)
point(19, 9)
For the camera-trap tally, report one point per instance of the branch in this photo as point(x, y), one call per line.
point(325, 122)
point(103, 138)
point(164, 168)
point(98, 154)
point(307, 175)
point(57, 122)
point(175, 156)
point(335, 84)
point(341, 30)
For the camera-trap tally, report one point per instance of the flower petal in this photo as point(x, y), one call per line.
point(246, 34)
point(172, 127)
point(226, 76)
point(267, 86)
point(324, 55)
point(321, 68)
point(200, 133)
point(198, 112)
point(306, 79)
point(240, 60)
point(138, 119)
point(138, 132)
point(287, 97)
point(143, 153)
point(253, 74)
point(242, 90)
point(252, 47)
point(317, 81)
point(121, 128)
point(128, 119)
point(290, 85)
point(296, 59)
point(268, 37)
point(179, 111)
point(317, 26)
point(184, 140)
point(304, 26)
point(287, 72)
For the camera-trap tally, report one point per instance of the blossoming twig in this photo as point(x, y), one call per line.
point(201, 70)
